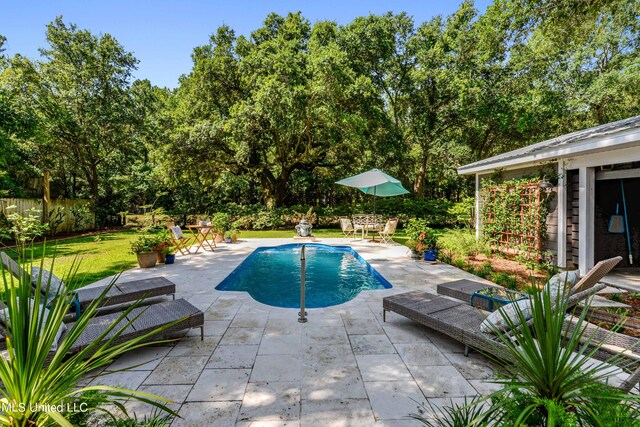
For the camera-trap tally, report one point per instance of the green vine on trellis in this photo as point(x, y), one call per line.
point(514, 217)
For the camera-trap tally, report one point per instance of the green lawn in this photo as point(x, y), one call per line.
point(100, 256)
point(106, 254)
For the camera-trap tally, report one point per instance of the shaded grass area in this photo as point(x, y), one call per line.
point(107, 254)
point(100, 256)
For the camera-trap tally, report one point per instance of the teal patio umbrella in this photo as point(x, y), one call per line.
point(375, 182)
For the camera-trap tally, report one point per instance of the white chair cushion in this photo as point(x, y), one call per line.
point(565, 279)
point(496, 320)
point(556, 283)
point(177, 232)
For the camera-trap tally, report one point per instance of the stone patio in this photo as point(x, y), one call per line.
point(258, 366)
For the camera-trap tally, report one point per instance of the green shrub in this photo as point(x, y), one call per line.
point(485, 270)
point(415, 227)
point(504, 279)
point(221, 222)
point(461, 243)
point(267, 220)
point(461, 213)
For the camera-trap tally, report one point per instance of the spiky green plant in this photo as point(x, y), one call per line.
point(453, 415)
point(551, 368)
point(36, 380)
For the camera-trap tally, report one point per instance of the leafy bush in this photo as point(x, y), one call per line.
point(267, 220)
point(415, 227)
point(461, 243)
point(505, 280)
point(485, 270)
point(221, 222)
point(461, 213)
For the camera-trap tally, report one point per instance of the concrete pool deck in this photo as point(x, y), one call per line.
point(258, 366)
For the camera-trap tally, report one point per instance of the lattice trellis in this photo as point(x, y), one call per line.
point(512, 217)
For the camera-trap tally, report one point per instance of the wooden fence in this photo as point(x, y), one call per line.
point(84, 219)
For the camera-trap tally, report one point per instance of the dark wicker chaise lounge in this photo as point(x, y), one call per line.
point(119, 293)
point(148, 318)
point(461, 321)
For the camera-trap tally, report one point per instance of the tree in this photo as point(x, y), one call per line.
point(83, 93)
point(286, 101)
point(19, 129)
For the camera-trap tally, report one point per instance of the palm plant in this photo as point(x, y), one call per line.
point(37, 379)
point(552, 377)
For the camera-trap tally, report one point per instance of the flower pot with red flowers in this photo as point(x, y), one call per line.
point(427, 243)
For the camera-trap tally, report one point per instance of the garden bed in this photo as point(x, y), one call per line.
point(503, 271)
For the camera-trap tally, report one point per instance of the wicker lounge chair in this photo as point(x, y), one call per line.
point(143, 320)
point(461, 321)
point(119, 293)
point(139, 321)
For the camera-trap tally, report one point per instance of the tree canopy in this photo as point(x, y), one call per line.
point(276, 117)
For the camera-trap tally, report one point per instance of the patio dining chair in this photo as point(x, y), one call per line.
point(179, 241)
point(386, 234)
point(347, 227)
point(360, 224)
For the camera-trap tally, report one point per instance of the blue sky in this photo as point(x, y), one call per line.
point(162, 34)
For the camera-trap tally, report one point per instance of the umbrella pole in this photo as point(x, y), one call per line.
point(373, 239)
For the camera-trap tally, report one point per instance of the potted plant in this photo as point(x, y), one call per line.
point(169, 254)
point(411, 244)
point(162, 244)
point(231, 236)
point(220, 223)
point(142, 247)
point(427, 244)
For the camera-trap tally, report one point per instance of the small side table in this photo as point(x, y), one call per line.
point(497, 295)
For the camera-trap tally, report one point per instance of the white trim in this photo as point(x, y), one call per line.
point(619, 174)
point(585, 226)
point(478, 208)
point(611, 157)
point(562, 215)
point(627, 139)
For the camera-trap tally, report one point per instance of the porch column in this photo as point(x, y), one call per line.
point(586, 185)
point(562, 215)
point(478, 208)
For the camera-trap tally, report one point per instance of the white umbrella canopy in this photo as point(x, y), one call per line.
point(375, 182)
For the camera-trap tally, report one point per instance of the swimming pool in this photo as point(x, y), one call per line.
point(334, 275)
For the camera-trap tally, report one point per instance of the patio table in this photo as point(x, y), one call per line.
point(202, 233)
point(366, 223)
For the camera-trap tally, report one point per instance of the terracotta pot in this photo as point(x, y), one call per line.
point(219, 238)
point(162, 258)
point(147, 259)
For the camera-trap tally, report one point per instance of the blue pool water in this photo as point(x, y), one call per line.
point(335, 274)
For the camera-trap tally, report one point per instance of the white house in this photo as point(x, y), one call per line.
point(593, 165)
